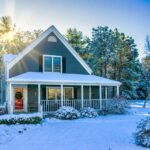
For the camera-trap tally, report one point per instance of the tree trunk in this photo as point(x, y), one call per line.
point(145, 102)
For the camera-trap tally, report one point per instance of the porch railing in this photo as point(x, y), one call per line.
point(53, 105)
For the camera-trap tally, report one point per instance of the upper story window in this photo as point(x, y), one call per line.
point(52, 63)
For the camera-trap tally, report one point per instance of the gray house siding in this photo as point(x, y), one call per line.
point(32, 98)
point(32, 62)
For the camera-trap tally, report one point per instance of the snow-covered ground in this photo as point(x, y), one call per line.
point(111, 132)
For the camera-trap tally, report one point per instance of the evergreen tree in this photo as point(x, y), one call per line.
point(77, 41)
point(114, 56)
point(146, 66)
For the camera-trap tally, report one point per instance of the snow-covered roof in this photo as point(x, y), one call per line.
point(53, 77)
point(8, 57)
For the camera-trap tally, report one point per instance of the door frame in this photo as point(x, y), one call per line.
point(24, 100)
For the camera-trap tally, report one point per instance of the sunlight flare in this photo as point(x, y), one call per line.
point(9, 36)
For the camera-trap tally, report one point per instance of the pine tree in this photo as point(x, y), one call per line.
point(115, 56)
point(78, 41)
point(146, 67)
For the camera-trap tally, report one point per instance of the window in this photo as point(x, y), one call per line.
point(48, 64)
point(52, 63)
point(56, 64)
point(68, 93)
point(53, 93)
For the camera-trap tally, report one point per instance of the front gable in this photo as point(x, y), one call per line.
point(31, 58)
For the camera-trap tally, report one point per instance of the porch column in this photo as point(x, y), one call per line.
point(10, 99)
point(90, 94)
point(82, 96)
point(62, 94)
point(39, 97)
point(106, 95)
point(117, 90)
point(100, 96)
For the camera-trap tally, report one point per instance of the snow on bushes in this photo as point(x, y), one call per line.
point(142, 135)
point(21, 119)
point(67, 113)
point(116, 105)
point(88, 112)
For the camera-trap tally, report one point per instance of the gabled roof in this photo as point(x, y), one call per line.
point(42, 37)
point(55, 77)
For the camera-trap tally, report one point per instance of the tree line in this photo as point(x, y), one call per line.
point(114, 55)
point(109, 53)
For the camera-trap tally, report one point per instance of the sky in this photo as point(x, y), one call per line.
point(131, 17)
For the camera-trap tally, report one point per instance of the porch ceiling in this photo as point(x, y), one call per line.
point(52, 77)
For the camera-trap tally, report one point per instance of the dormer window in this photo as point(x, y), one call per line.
point(52, 63)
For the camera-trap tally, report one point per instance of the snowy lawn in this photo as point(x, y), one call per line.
point(112, 132)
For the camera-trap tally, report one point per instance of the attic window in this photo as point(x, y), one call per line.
point(52, 39)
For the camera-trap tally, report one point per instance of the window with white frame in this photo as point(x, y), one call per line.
point(52, 63)
point(53, 93)
point(68, 93)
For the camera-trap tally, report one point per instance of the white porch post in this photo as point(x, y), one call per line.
point(39, 97)
point(106, 95)
point(90, 94)
point(10, 99)
point(62, 94)
point(117, 90)
point(100, 96)
point(82, 96)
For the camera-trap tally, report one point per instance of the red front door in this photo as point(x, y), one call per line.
point(19, 98)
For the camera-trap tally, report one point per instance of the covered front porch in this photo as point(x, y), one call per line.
point(78, 96)
point(48, 96)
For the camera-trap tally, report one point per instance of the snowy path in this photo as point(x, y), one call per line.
point(114, 132)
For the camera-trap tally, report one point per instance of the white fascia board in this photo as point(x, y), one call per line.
point(39, 39)
point(62, 82)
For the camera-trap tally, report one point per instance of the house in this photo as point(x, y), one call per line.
point(50, 73)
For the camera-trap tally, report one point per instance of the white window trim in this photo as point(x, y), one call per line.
point(72, 92)
point(52, 56)
point(54, 87)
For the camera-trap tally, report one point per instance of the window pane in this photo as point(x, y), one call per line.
point(57, 64)
point(48, 63)
point(68, 93)
point(53, 94)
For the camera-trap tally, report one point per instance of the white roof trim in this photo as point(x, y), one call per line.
point(53, 77)
point(40, 38)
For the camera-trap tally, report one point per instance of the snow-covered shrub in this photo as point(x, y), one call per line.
point(116, 105)
point(67, 113)
point(142, 135)
point(88, 112)
point(20, 119)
